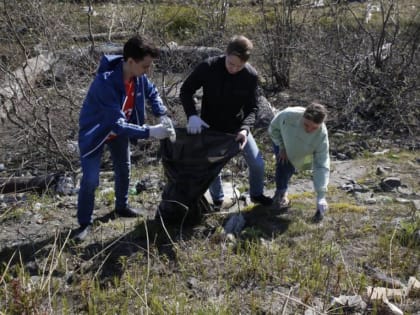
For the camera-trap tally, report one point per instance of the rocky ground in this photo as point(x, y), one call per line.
point(386, 185)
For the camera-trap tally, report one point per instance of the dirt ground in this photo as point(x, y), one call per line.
point(32, 225)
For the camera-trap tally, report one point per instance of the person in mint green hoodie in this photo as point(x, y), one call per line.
point(300, 138)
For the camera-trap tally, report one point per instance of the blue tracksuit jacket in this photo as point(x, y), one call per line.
point(101, 113)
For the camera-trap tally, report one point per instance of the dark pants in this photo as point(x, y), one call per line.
point(120, 154)
point(284, 171)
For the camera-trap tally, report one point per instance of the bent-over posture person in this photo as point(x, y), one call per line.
point(229, 105)
point(300, 136)
point(113, 112)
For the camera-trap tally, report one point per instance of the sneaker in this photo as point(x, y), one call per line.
point(128, 212)
point(281, 201)
point(318, 217)
point(82, 232)
point(262, 200)
point(217, 205)
point(222, 204)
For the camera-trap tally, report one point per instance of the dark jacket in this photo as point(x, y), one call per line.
point(229, 101)
point(101, 112)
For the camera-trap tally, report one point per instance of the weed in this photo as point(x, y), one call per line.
point(343, 207)
point(407, 234)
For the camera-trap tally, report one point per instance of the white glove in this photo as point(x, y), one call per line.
point(168, 124)
point(158, 132)
point(195, 125)
point(164, 119)
point(322, 205)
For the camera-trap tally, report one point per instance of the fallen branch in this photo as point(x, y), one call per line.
point(30, 183)
point(101, 36)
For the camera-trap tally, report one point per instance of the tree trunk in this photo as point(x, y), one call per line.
point(30, 183)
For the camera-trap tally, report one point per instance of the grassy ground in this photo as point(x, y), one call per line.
point(280, 263)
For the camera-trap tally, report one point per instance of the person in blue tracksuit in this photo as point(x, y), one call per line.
point(113, 112)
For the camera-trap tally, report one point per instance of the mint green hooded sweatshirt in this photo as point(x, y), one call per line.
point(286, 130)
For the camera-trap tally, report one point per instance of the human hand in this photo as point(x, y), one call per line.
point(195, 125)
point(322, 205)
point(282, 156)
point(158, 131)
point(168, 124)
point(242, 138)
point(165, 119)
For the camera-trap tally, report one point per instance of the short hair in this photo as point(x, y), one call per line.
point(138, 48)
point(315, 112)
point(240, 46)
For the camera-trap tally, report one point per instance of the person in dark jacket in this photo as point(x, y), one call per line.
point(113, 112)
point(229, 105)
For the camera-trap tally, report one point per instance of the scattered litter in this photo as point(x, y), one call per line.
point(379, 293)
point(389, 183)
point(381, 152)
point(385, 294)
point(355, 302)
point(106, 191)
point(352, 186)
point(65, 186)
point(402, 200)
point(37, 206)
point(393, 308)
point(235, 224)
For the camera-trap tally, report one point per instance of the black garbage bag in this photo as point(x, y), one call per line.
point(190, 165)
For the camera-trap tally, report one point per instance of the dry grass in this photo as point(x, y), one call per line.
point(139, 267)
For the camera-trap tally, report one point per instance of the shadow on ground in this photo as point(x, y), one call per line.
point(104, 258)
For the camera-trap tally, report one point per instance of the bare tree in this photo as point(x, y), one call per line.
point(366, 71)
point(277, 39)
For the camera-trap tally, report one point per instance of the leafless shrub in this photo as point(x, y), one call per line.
point(41, 104)
point(278, 38)
point(366, 72)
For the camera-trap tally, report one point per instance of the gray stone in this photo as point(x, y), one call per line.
point(354, 187)
point(360, 188)
point(227, 173)
point(355, 302)
point(265, 113)
point(380, 171)
point(347, 187)
point(342, 156)
point(370, 201)
point(404, 191)
point(2, 167)
point(384, 199)
point(402, 200)
point(416, 204)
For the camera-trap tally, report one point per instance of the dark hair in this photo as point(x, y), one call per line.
point(240, 46)
point(315, 112)
point(138, 48)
